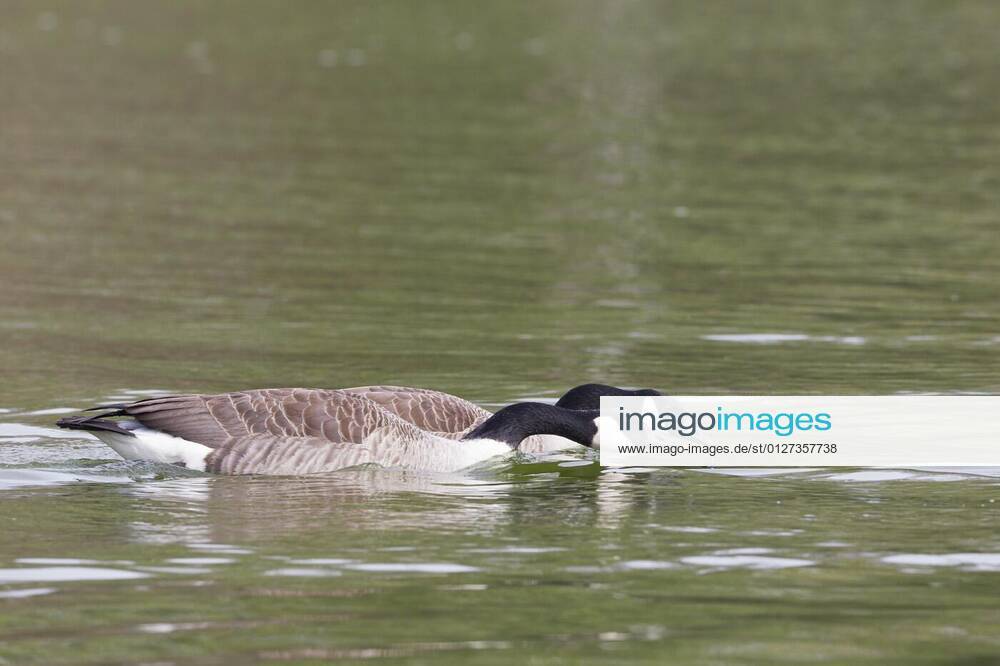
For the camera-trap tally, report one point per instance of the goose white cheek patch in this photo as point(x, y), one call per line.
point(800, 431)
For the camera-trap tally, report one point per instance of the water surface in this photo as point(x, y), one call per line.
point(500, 202)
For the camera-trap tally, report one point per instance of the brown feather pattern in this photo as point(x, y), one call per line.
point(302, 431)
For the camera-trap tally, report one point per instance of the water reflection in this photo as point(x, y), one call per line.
point(303, 572)
point(25, 593)
point(341, 544)
point(964, 561)
point(211, 513)
point(66, 573)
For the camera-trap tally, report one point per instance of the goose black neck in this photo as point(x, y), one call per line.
point(588, 396)
point(515, 422)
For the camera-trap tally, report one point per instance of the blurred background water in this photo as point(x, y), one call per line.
point(499, 201)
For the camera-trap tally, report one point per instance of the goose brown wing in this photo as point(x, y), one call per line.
point(214, 420)
point(429, 410)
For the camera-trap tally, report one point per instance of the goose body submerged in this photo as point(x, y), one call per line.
point(307, 431)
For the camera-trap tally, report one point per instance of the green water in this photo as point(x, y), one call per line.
point(501, 201)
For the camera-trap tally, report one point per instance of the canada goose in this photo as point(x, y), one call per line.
point(305, 431)
point(452, 417)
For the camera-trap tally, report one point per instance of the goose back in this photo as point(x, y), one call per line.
point(212, 420)
point(429, 410)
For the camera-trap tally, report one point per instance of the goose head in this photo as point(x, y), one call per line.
point(512, 424)
point(588, 396)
